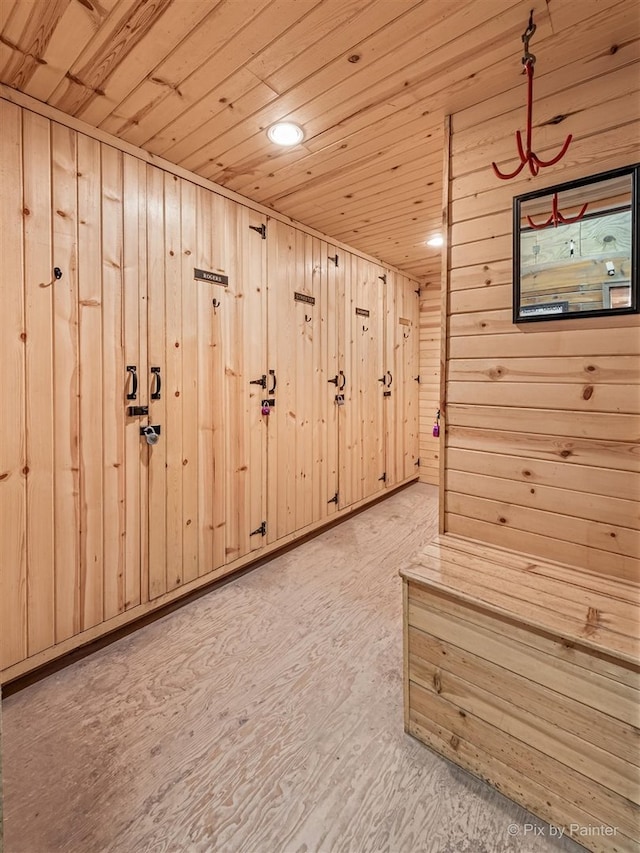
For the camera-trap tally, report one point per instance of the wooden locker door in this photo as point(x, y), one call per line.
point(302, 438)
point(401, 363)
point(206, 342)
point(362, 440)
point(393, 386)
point(240, 431)
point(411, 368)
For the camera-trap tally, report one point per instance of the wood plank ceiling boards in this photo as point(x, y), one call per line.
point(369, 81)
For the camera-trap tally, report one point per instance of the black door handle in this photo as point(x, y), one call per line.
point(133, 370)
point(157, 384)
point(390, 378)
point(275, 382)
point(344, 380)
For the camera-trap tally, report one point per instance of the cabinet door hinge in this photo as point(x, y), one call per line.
point(334, 258)
point(261, 229)
point(417, 462)
point(383, 278)
point(383, 478)
point(262, 530)
point(417, 378)
point(334, 499)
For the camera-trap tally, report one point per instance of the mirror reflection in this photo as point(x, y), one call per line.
point(574, 250)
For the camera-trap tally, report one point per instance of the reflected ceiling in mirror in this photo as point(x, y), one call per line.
point(576, 249)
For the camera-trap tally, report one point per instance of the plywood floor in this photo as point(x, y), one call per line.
point(265, 717)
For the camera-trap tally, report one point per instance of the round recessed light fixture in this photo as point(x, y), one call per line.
point(437, 240)
point(285, 133)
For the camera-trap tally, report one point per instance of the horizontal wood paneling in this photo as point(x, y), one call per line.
point(525, 671)
point(543, 430)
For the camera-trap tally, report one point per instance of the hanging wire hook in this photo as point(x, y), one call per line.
point(557, 218)
point(525, 152)
point(526, 38)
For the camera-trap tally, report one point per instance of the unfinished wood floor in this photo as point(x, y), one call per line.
point(265, 717)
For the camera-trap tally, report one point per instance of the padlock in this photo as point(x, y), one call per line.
point(436, 430)
point(266, 409)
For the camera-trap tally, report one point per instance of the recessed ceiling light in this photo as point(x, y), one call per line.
point(285, 133)
point(436, 240)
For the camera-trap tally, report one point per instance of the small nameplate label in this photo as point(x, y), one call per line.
point(362, 312)
point(302, 297)
point(211, 277)
point(404, 322)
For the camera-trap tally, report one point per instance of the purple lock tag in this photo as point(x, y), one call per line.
point(436, 430)
point(266, 409)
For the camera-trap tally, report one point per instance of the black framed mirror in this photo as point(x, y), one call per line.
point(575, 248)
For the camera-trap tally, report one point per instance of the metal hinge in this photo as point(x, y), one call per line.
point(261, 229)
point(262, 530)
point(334, 499)
point(383, 278)
point(417, 378)
point(417, 462)
point(334, 258)
point(417, 291)
point(383, 478)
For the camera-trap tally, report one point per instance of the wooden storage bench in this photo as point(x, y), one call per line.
point(526, 673)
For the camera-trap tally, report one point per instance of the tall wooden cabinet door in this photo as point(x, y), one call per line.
point(362, 439)
point(239, 358)
point(206, 342)
point(409, 321)
point(392, 387)
point(302, 445)
point(401, 371)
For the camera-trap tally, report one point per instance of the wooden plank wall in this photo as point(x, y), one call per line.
point(543, 427)
point(97, 528)
point(430, 325)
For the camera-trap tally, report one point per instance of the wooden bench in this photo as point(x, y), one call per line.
point(526, 673)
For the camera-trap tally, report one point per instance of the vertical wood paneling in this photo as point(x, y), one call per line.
point(393, 404)
point(221, 256)
point(282, 341)
point(38, 270)
point(134, 321)
point(255, 346)
point(13, 506)
point(346, 439)
point(101, 522)
point(156, 341)
point(205, 261)
point(114, 380)
point(331, 341)
point(229, 454)
point(411, 367)
point(430, 322)
point(189, 393)
point(172, 379)
point(66, 383)
point(90, 334)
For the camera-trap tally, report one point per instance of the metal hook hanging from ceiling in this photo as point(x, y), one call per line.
point(525, 152)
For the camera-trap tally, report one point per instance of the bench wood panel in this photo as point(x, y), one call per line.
point(526, 672)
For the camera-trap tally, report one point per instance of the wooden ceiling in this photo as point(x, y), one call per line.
point(199, 82)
